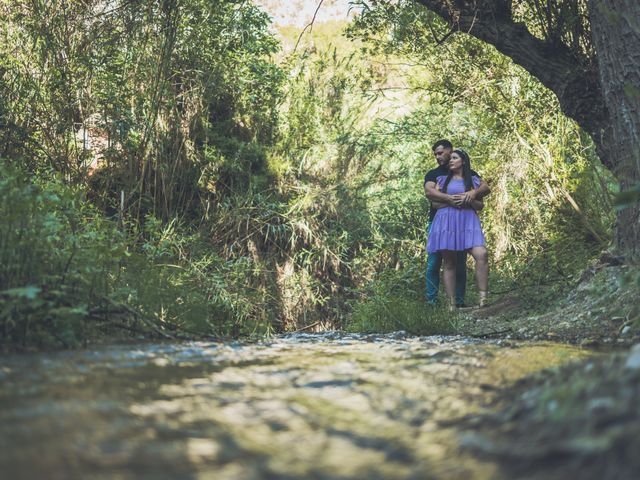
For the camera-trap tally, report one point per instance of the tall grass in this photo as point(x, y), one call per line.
point(394, 301)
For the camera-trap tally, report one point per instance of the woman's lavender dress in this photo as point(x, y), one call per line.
point(455, 228)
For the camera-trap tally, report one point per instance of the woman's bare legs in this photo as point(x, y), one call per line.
point(449, 275)
point(481, 258)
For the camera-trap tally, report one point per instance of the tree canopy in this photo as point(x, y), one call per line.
point(585, 51)
point(172, 166)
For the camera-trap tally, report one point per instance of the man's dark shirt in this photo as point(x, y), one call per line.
point(432, 176)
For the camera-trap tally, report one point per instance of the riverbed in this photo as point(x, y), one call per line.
point(321, 406)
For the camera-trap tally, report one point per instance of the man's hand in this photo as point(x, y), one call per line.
point(466, 200)
point(469, 196)
point(458, 200)
point(435, 195)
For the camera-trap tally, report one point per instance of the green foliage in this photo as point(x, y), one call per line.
point(222, 193)
point(56, 255)
point(67, 274)
point(394, 301)
point(142, 88)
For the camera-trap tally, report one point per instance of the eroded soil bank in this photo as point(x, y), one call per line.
point(580, 420)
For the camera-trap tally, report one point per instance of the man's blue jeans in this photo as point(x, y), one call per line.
point(434, 262)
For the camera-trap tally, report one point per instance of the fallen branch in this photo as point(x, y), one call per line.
point(120, 308)
point(307, 327)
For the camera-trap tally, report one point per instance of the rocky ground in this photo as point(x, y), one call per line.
point(577, 421)
point(322, 406)
point(585, 416)
point(602, 309)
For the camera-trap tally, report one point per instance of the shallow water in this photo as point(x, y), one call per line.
point(322, 406)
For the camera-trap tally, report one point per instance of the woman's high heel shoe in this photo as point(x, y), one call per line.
point(483, 298)
point(452, 305)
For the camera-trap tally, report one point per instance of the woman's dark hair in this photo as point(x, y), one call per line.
point(466, 172)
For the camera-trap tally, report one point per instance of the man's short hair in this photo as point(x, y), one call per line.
point(444, 143)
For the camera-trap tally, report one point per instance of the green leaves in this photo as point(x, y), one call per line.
point(29, 292)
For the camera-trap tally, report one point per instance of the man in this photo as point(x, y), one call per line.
point(442, 151)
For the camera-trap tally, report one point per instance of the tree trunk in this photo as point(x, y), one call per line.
point(615, 27)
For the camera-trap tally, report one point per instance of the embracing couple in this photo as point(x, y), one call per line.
point(453, 228)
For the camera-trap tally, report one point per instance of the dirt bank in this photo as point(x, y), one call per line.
point(578, 421)
point(601, 308)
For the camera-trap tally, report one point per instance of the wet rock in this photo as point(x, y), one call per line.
point(633, 360)
point(600, 404)
point(328, 383)
point(399, 335)
point(478, 443)
point(552, 406)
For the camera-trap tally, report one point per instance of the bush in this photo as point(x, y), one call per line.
point(395, 301)
point(68, 274)
point(56, 255)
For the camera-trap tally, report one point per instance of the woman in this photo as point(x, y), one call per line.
point(456, 226)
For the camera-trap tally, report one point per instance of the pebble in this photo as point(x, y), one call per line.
point(600, 404)
point(633, 360)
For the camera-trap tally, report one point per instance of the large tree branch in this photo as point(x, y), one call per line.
point(574, 80)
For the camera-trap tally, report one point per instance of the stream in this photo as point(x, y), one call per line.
point(320, 406)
